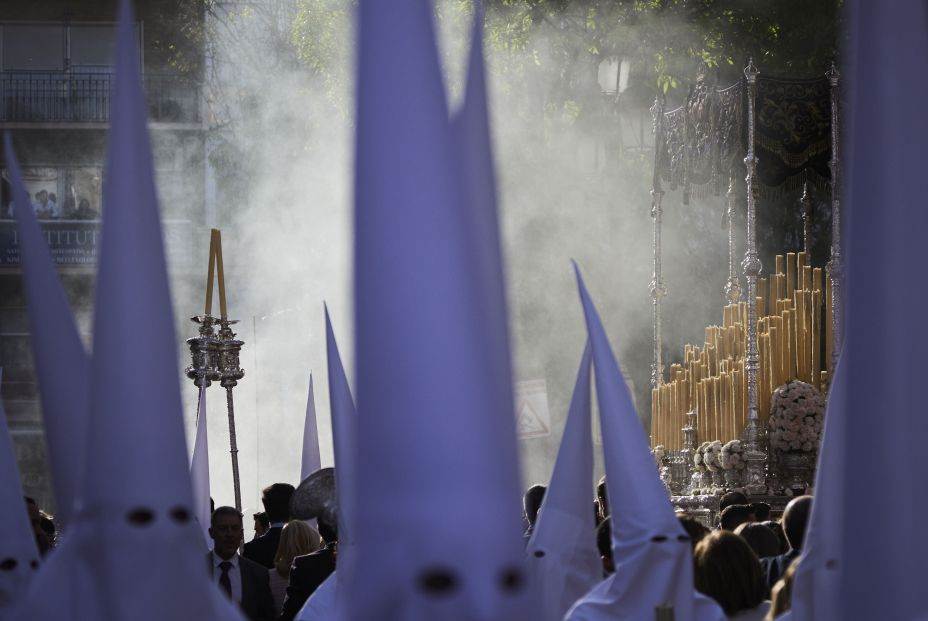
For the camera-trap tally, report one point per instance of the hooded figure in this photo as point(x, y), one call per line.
point(563, 561)
point(437, 466)
point(19, 556)
point(884, 344)
point(817, 581)
point(199, 471)
point(344, 439)
point(61, 362)
point(310, 461)
point(321, 605)
point(652, 553)
point(138, 549)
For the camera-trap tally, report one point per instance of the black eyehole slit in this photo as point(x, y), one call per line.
point(180, 515)
point(141, 517)
point(659, 538)
point(438, 582)
point(682, 538)
point(8, 564)
point(34, 564)
point(511, 580)
point(539, 553)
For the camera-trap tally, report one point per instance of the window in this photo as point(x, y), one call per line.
point(53, 47)
point(92, 46)
point(36, 47)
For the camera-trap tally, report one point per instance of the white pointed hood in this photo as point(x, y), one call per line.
point(816, 584)
point(563, 561)
point(437, 454)
point(61, 363)
point(19, 557)
point(310, 461)
point(199, 471)
point(883, 351)
point(652, 553)
point(345, 441)
point(149, 565)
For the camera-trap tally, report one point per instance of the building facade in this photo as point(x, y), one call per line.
point(56, 77)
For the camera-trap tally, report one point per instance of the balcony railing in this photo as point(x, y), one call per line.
point(85, 96)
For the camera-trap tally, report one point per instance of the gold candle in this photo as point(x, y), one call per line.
point(655, 416)
point(790, 273)
point(801, 337)
point(816, 339)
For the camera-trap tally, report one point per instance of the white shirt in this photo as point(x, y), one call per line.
point(235, 575)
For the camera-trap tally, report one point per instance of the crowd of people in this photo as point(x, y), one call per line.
point(746, 563)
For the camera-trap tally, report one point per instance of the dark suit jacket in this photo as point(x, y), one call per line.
point(263, 549)
point(257, 602)
point(775, 566)
point(306, 574)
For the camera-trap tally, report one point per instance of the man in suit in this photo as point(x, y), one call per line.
point(276, 500)
point(795, 518)
point(244, 581)
point(309, 571)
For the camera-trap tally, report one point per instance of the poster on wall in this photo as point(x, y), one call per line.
point(533, 419)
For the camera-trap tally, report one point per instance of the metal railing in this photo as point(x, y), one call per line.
point(81, 96)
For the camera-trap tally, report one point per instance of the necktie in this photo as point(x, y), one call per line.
point(224, 581)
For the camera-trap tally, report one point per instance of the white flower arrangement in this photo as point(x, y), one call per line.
point(797, 415)
point(658, 452)
point(710, 456)
point(698, 461)
point(732, 456)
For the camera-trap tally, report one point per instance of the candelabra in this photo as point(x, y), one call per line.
point(230, 372)
point(754, 454)
point(656, 286)
point(215, 354)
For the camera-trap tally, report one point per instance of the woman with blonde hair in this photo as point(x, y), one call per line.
point(296, 539)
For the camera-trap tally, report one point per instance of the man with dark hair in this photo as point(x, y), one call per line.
point(732, 498)
point(761, 511)
point(734, 516)
point(245, 582)
point(695, 529)
point(276, 501)
point(795, 518)
point(262, 524)
point(309, 571)
point(531, 503)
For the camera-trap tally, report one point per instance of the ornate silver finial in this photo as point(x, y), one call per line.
point(754, 455)
point(751, 71)
point(806, 201)
point(656, 109)
point(833, 74)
